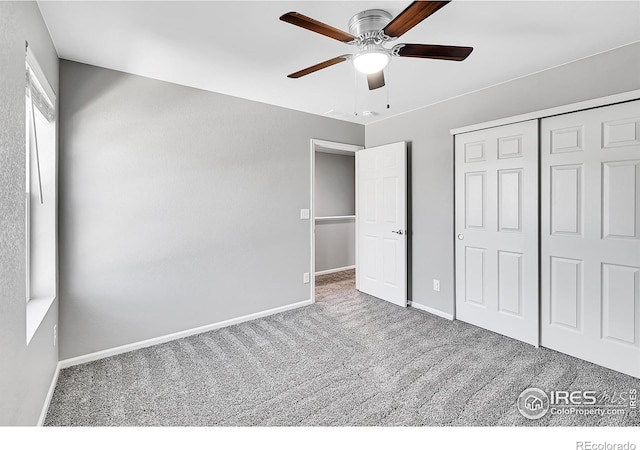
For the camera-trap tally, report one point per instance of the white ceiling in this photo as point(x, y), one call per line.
point(241, 48)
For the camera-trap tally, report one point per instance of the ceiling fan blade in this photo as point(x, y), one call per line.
point(322, 65)
point(415, 13)
point(449, 52)
point(310, 24)
point(375, 80)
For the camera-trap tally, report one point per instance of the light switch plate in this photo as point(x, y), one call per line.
point(436, 285)
point(305, 277)
point(304, 213)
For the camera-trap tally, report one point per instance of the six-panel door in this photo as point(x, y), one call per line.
point(590, 189)
point(497, 229)
point(382, 222)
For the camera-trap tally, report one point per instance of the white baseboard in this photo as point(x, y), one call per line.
point(47, 400)
point(339, 269)
point(173, 336)
point(433, 311)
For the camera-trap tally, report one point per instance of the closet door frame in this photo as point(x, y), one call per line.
point(610, 100)
point(323, 146)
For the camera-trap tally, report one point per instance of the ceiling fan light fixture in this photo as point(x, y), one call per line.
point(371, 61)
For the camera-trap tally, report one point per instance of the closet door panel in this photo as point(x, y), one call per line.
point(497, 229)
point(590, 235)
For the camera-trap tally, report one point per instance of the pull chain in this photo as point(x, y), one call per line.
point(355, 92)
point(387, 83)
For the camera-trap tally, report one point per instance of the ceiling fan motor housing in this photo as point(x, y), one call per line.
point(367, 25)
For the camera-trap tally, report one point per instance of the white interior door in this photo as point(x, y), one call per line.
point(381, 212)
point(590, 189)
point(497, 229)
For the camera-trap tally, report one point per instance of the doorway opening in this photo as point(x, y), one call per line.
point(333, 215)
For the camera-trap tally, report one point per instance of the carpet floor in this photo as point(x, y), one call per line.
point(347, 360)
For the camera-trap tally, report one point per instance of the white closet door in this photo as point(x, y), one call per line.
point(381, 212)
point(590, 188)
point(497, 229)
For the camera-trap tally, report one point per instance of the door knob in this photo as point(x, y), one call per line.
point(400, 232)
point(460, 237)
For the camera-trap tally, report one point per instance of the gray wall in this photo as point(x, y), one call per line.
point(427, 131)
point(335, 244)
point(178, 207)
point(26, 371)
point(335, 195)
point(335, 185)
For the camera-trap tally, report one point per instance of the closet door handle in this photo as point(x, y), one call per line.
point(400, 232)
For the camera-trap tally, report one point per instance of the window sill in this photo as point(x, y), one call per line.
point(37, 309)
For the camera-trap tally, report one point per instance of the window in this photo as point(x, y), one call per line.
point(40, 194)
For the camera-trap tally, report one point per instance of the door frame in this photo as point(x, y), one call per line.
point(337, 148)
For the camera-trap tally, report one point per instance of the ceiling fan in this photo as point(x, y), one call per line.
point(369, 31)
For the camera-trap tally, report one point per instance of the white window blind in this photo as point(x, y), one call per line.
point(41, 92)
point(38, 97)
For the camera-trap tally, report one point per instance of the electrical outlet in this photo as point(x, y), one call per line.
point(55, 335)
point(436, 285)
point(305, 277)
point(304, 213)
